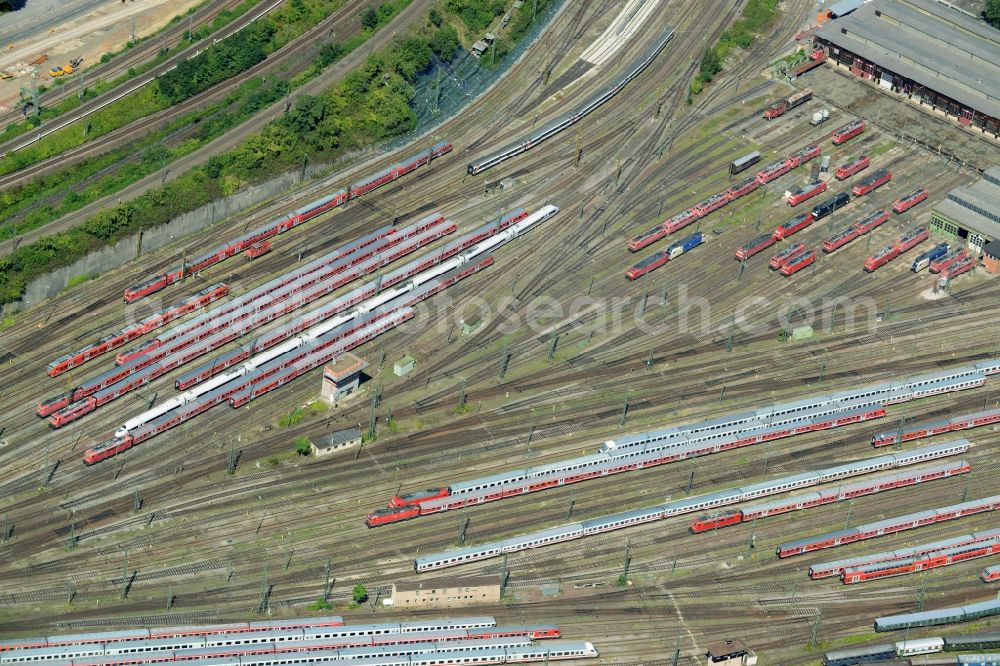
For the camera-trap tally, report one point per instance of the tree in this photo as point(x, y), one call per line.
point(303, 446)
point(992, 13)
point(711, 65)
point(360, 594)
point(445, 41)
point(369, 18)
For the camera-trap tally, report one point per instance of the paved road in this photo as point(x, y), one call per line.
point(37, 16)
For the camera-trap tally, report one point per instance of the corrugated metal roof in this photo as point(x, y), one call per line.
point(341, 436)
point(976, 207)
point(932, 44)
point(845, 7)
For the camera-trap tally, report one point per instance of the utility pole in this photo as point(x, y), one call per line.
point(552, 346)
point(461, 531)
point(621, 421)
point(850, 512)
point(461, 396)
point(262, 602)
point(628, 558)
point(371, 416)
point(136, 500)
point(649, 361)
point(815, 631)
point(920, 595)
point(326, 586)
point(504, 361)
point(124, 594)
point(504, 575)
point(131, 39)
point(578, 153)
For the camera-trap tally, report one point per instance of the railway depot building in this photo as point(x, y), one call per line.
point(936, 55)
point(446, 592)
point(972, 213)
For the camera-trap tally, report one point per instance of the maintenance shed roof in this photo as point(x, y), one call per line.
point(976, 206)
point(933, 44)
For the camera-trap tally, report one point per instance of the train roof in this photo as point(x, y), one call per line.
point(549, 535)
point(449, 623)
point(991, 606)
point(765, 487)
point(455, 552)
point(805, 541)
point(784, 501)
point(631, 515)
point(698, 501)
point(904, 619)
point(861, 651)
point(973, 639)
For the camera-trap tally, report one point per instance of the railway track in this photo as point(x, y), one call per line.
point(570, 404)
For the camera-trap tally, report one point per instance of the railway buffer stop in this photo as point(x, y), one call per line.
point(730, 652)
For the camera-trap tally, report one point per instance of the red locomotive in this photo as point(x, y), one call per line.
point(942, 264)
point(782, 107)
point(870, 222)
point(798, 262)
point(742, 188)
point(800, 157)
point(669, 226)
point(257, 250)
point(806, 192)
point(752, 247)
point(910, 200)
point(840, 239)
point(871, 183)
point(715, 521)
point(713, 203)
point(912, 238)
point(960, 267)
point(773, 170)
point(881, 258)
point(848, 131)
point(778, 260)
point(792, 226)
point(847, 170)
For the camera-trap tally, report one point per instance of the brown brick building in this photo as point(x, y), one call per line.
point(446, 592)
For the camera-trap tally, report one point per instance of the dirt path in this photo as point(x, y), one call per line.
point(106, 27)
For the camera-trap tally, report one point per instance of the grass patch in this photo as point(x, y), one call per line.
point(370, 106)
point(292, 418)
point(757, 15)
point(80, 279)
